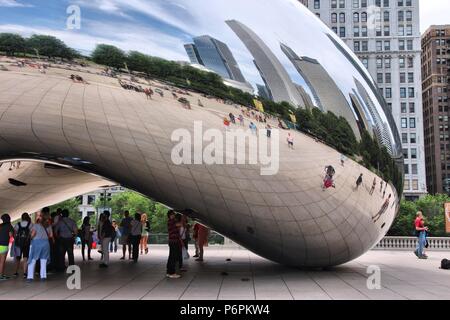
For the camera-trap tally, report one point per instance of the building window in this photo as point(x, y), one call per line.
point(386, 3)
point(405, 153)
point(413, 138)
point(412, 107)
point(356, 17)
point(356, 31)
point(409, 16)
point(401, 45)
point(386, 16)
point(415, 184)
point(400, 3)
point(356, 4)
point(414, 168)
point(409, 44)
point(379, 63)
point(333, 4)
point(412, 123)
point(403, 107)
point(387, 31)
point(404, 123)
point(364, 17)
point(335, 30)
point(316, 4)
point(411, 93)
point(410, 62)
point(342, 4)
point(365, 62)
point(90, 199)
point(401, 16)
point(356, 46)
point(387, 63)
point(342, 32)
point(379, 77)
point(388, 93)
point(365, 46)
point(404, 138)
point(387, 78)
point(409, 30)
point(342, 17)
point(406, 185)
point(402, 77)
point(379, 45)
point(387, 45)
point(401, 62)
point(401, 31)
point(364, 31)
point(334, 18)
point(406, 168)
point(378, 3)
point(403, 93)
point(363, 3)
point(411, 77)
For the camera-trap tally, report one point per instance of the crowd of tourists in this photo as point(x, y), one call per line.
point(41, 246)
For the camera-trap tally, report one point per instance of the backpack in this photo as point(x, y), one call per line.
point(23, 235)
point(445, 264)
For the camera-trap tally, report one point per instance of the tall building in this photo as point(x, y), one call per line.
point(436, 88)
point(276, 79)
point(385, 35)
point(214, 55)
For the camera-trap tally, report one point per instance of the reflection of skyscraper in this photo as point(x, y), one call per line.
point(275, 76)
point(305, 96)
point(325, 91)
point(263, 92)
point(214, 55)
point(379, 127)
point(192, 53)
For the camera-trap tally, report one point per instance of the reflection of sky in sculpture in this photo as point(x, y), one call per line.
point(162, 27)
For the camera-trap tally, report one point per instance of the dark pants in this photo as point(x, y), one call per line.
point(66, 246)
point(174, 257)
point(135, 240)
point(54, 254)
point(86, 243)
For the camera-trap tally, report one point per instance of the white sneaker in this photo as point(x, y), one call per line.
point(174, 276)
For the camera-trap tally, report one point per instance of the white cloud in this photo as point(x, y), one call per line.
point(12, 3)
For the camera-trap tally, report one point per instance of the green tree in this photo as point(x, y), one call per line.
point(49, 46)
point(11, 43)
point(109, 56)
point(432, 207)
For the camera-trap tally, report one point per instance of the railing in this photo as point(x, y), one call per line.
point(161, 238)
point(410, 243)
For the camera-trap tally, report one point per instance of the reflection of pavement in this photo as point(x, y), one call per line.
point(403, 276)
point(127, 137)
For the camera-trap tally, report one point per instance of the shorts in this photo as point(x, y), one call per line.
point(22, 252)
point(124, 240)
point(4, 249)
point(290, 143)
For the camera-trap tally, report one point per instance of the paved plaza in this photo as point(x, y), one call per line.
point(244, 277)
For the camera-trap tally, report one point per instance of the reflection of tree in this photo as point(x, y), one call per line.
point(336, 132)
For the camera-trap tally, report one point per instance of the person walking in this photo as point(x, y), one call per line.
point(6, 232)
point(86, 237)
point(106, 234)
point(203, 233)
point(290, 141)
point(382, 210)
point(174, 246)
point(421, 232)
point(241, 120)
point(359, 181)
point(41, 236)
point(125, 226)
point(135, 236)
point(114, 239)
point(22, 241)
point(253, 128)
point(374, 184)
point(145, 233)
point(66, 230)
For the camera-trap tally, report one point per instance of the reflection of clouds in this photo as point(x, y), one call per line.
point(13, 4)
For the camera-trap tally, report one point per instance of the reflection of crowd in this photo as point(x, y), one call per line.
point(12, 165)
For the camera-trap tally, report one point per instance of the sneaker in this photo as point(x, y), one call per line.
point(123, 258)
point(199, 259)
point(174, 276)
point(103, 265)
point(3, 278)
point(24, 275)
point(415, 252)
point(423, 257)
point(196, 256)
point(16, 274)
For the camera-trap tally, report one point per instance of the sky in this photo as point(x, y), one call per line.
point(434, 12)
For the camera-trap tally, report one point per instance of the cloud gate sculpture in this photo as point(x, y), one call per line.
point(320, 191)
